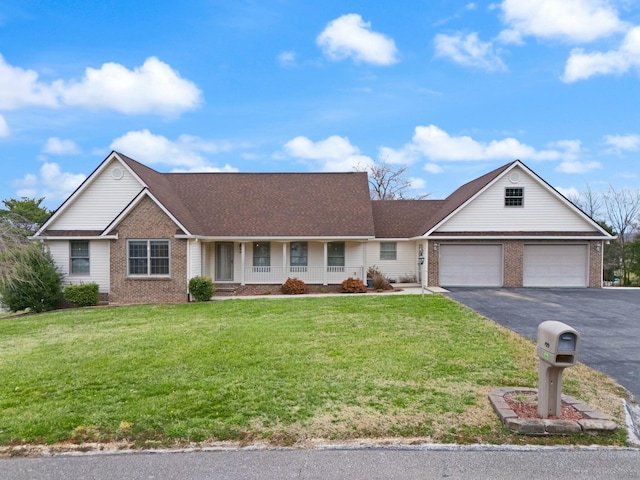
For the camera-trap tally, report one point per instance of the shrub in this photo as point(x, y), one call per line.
point(85, 295)
point(294, 286)
point(29, 279)
point(201, 288)
point(380, 281)
point(353, 285)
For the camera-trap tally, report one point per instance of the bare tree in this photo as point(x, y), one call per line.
point(589, 202)
point(388, 182)
point(623, 214)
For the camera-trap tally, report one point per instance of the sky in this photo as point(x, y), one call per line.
point(448, 89)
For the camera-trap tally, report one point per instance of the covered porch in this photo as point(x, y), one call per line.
point(320, 262)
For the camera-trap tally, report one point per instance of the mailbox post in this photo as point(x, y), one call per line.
point(557, 348)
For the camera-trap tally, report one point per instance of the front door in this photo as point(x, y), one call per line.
point(224, 262)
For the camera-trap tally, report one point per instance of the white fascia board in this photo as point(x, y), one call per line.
point(518, 237)
point(135, 202)
point(275, 239)
point(83, 187)
point(79, 237)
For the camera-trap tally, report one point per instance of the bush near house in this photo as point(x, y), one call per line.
point(29, 279)
point(201, 288)
point(294, 286)
point(85, 295)
point(380, 281)
point(353, 285)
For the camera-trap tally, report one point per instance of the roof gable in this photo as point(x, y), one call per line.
point(544, 208)
point(101, 197)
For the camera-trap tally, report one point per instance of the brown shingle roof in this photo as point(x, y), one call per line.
point(403, 218)
point(264, 204)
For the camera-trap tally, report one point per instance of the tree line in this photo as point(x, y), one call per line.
point(618, 212)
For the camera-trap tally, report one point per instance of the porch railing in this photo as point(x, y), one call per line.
point(310, 275)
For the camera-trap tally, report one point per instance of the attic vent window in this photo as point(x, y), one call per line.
point(514, 197)
point(117, 173)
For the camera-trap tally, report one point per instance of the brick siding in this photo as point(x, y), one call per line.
point(595, 264)
point(148, 221)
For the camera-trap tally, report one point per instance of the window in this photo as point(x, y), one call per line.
point(79, 257)
point(388, 251)
point(148, 257)
point(298, 256)
point(335, 252)
point(261, 256)
point(514, 197)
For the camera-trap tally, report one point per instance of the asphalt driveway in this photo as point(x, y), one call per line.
point(608, 321)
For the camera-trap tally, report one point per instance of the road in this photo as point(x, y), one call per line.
point(423, 463)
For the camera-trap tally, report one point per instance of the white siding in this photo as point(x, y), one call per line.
point(542, 210)
point(100, 203)
point(405, 265)
point(98, 263)
point(194, 250)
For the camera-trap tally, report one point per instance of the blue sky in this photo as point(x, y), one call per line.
point(449, 89)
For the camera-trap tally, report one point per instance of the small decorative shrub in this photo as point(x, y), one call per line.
point(201, 288)
point(84, 295)
point(408, 279)
point(293, 286)
point(353, 285)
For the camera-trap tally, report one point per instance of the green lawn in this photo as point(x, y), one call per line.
point(277, 370)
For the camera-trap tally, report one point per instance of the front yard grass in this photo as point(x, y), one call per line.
point(279, 371)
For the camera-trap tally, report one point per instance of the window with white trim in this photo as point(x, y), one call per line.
point(79, 259)
point(262, 256)
point(148, 257)
point(514, 197)
point(298, 256)
point(388, 250)
point(335, 256)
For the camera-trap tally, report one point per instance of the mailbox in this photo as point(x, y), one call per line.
point(557, 348)
point(557, 343)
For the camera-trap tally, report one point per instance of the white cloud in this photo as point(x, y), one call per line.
point(417, 183)
point(57, 146)
point(287, 58)
point(20, 88)
point(435, 144)
point(575, 166)
point(4, 127)
point(433, 168)
point(152, 88)
point(570, 192)
point(582, 65)
point(618, 143)
point(335, 154)
point(396, 157)
point(468, 51)
point(186, 152)
point(51, 183)
point(569, 20)
point(350, 36)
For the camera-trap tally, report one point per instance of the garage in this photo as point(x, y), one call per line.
point(465, 265)
point(556, 265)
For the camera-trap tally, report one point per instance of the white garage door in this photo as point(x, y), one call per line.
point(556, 265)
point(471, 265)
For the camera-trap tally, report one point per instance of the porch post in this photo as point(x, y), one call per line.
point(284, 262)
point(325, 263)
point(242, 249)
